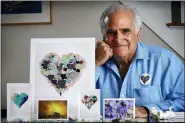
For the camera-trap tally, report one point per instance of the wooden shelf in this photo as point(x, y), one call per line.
point(175, 24)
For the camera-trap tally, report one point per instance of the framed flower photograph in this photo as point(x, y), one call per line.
point(119, 108)
point(19, 100)
point(52, 109)
point(60, 68)
point(26, 13)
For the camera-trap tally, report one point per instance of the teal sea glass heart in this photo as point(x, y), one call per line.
point(19, 99)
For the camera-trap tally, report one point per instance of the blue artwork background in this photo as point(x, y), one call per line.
point(21, 7)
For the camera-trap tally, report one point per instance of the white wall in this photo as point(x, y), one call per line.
point(147, 36)
point(70, 19)
point(156, 15)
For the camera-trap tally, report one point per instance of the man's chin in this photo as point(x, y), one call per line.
point(120, 50)
point(120, 54)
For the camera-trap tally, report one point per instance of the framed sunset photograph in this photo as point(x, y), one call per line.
point(49, 109)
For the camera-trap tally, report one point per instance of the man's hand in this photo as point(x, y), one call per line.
point(141, 112)
point(103, 53)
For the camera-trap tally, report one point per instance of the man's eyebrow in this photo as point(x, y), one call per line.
point(125, 28)
point(114, 31)
point(111, 31)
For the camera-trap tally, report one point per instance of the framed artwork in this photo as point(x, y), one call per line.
point(119, 108)
point(19, 101)
point(60, 68)
point(51, 109)
point(89, 105)
point(26, 13)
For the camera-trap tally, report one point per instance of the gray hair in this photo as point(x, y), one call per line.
point(119, 7)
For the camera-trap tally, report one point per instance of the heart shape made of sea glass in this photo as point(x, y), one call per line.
point(62, 72)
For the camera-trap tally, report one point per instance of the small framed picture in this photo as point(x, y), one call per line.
point(26, 13)
point(89, 105)
point(52, 109)
point(119, 108)
point(19, 101)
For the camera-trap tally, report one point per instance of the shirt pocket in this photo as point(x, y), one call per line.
point(147, 95)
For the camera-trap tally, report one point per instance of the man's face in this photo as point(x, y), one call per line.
point(121, 34)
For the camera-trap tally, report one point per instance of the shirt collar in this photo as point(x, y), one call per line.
point(141, 53)
point(111, 65)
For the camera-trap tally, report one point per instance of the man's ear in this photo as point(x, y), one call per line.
point(139, 34)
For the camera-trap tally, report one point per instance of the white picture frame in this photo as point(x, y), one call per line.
point(19, 98)
point(29, 19)
point(119, 99)
point(53, 101)
point(85, 47)
point(87, 110)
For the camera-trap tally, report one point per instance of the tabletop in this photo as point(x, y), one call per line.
point(179, 117)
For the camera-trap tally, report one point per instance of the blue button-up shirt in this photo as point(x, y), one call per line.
point(166, 72)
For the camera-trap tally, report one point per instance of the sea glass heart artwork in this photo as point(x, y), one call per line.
point(62, 72)
point(19, 99)
point(89, 101)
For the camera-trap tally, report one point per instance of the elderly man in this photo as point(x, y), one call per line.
point(127, 68)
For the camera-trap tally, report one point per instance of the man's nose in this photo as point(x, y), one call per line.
point(119, 36)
